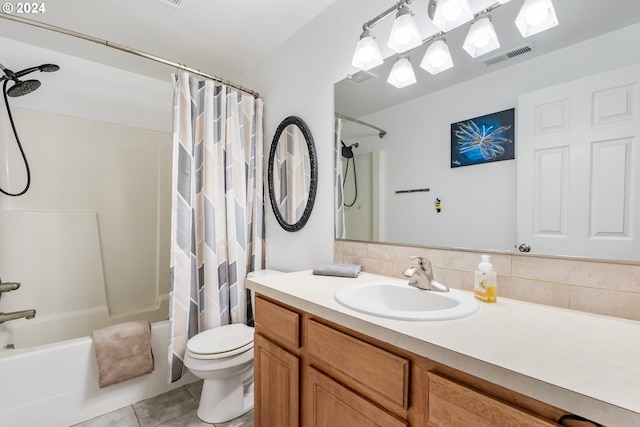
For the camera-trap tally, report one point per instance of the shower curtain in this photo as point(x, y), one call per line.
point(340, 231)
point(217, 223)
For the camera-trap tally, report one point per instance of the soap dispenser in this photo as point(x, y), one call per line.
point(485, 281)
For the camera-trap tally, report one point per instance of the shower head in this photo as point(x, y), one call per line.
point(21, 88)
point(347, 152)
point(45, 68)
point(25, 87)
point(48, 68)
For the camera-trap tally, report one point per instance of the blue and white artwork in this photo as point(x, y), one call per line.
point(483, 139)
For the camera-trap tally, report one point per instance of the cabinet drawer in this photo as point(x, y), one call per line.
point(278, 323)
point(376, 373)
point(454, 405)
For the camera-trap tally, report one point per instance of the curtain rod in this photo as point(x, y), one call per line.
point(360, 122)
point(125, 49)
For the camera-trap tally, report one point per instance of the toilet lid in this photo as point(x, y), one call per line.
point(223, 339)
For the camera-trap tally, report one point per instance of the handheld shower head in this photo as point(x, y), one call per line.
point(48, 68)
point(21, 88)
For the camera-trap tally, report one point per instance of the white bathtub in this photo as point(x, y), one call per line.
point(57, 384)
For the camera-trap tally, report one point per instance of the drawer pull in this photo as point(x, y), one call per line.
point(576, 418)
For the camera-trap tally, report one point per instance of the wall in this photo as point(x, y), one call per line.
point(92, 232)
point(297, 79)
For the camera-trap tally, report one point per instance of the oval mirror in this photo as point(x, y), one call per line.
point(292, 173)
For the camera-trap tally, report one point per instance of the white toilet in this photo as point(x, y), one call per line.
point(223, 358)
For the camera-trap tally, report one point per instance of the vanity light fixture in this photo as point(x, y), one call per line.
point(437, 58)
point(482, 37)
point(450, 14)
point(402, 74)
point(404, 32)
point(534, 16)
point(367, 54)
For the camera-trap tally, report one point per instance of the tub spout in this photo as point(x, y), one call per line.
point(27, 314)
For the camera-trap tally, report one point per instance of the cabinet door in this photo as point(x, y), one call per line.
point(276, 385)
point(328, 404)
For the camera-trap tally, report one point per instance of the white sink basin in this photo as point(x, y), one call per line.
point(403, 302)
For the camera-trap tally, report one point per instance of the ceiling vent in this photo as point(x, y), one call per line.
point(172, 3)
point(508, 55)
point(361, 77)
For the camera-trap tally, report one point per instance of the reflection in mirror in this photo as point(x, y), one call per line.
point(292, 173)
point(475, 206)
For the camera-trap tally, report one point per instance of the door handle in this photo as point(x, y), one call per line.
point(524, 248)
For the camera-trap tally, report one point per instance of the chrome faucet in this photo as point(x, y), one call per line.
point(422, 276)
point(27, 314)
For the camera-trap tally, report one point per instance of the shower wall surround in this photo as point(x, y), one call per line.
point(92, 233)
point(600, 287)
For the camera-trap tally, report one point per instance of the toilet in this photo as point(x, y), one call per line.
point(223, 358)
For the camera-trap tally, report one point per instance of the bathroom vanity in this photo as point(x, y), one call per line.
point(318, 363)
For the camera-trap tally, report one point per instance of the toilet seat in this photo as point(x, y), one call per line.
point(221, 342)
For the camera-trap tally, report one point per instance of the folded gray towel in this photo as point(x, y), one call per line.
point(340, 270)
point(123, 352)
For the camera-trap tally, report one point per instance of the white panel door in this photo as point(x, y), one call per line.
point(578, 167)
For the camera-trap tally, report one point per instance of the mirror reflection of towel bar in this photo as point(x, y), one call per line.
point(415, 190)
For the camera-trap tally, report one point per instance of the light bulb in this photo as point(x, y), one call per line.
point(481, 39)
point(367, 54)
point(537, 13)
point(452, 11)
point(436, 61)
point(536, 16)
point(437, 57)
point(404, 32)
point(402, 73)
point(450, 14)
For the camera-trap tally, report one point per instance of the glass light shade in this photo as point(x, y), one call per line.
point(536, 16)
point(367, 54)
point(437, 58)
point(482, 38)
point(450, 14)
point(402, 74)
point(404, 32)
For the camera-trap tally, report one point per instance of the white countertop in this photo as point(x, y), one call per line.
point(584, 363)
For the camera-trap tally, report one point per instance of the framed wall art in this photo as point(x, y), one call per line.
point(483, 139)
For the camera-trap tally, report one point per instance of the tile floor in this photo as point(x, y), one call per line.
point(175, 408)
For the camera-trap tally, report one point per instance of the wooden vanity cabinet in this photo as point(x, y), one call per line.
point(312, 373)
point(276, 365)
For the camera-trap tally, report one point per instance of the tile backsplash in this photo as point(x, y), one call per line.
point(608, 288)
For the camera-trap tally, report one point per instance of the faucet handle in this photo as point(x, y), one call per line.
point(8, 286)
point(422, 261)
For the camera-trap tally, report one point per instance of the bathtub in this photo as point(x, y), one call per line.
point(57, 384)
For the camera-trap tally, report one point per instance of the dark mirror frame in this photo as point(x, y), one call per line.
point(313, 181)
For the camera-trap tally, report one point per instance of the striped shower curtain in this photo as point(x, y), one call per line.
point(340, 231)
point(217, 223)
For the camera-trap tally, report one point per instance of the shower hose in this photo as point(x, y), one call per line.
point(15, 133)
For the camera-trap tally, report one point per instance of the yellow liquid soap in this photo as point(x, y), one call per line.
point(491, 294)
